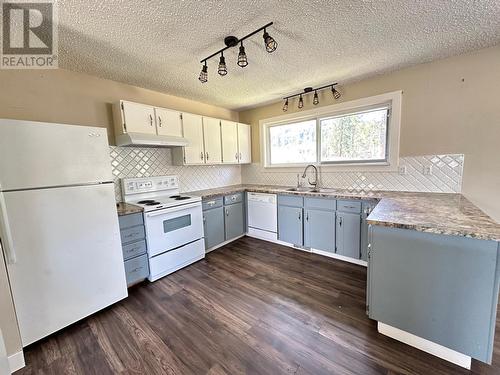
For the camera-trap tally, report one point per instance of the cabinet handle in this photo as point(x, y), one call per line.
point(340, 221)
point(201, 155)
point(151, 120)
point(300, 216)
point(227, 212)
point(207, 155)
point(159, 121)
point(307, 216)
point(240, 155)
point(236, 156)
point(211, 203)
point(204, 219)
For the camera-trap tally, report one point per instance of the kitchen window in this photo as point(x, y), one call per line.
point(354, 137)
point(293, 143)
point(361, 132)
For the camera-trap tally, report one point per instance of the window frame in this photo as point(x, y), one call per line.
point(391, 100)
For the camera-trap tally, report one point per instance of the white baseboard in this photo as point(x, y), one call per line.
point(16, 361)
point(223, 243)
point(340, 257)
point(440, 351)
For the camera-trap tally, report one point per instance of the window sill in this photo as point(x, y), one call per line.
point(384, 166)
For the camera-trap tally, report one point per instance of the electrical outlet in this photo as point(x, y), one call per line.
point(402, 170)
point(428, 170)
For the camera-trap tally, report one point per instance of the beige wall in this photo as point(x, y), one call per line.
point(74, 98)
point(449, 106)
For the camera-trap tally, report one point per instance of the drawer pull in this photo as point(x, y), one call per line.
point(137, 269)
point(131, 235)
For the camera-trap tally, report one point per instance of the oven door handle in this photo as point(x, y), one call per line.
point(173, 209)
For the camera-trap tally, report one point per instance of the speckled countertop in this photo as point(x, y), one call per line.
point(441, 213)
point(127, 209)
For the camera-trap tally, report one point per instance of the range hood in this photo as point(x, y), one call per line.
point(150, 140)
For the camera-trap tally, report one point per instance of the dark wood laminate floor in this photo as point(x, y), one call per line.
point(250, 307)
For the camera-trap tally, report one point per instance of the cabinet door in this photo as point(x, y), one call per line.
point(244, 144)
point(348, 234)
point(234, 221)
point(229, 131)
point(290, 225)
point(168, 122)
point(139, 118)
point(212, 139)
point(213, 224)
point(319, 230)
point(192, 126)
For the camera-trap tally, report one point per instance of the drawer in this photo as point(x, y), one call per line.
point(349, 206)
point(321, 203)
point(290, 200)
point(233, 198)
point(212, 203)
point(136, 269)
point(132, 234)
point(127, 221)
point(134, 249)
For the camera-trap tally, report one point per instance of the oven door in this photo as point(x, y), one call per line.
point(173, 227)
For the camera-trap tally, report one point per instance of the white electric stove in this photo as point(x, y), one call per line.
point(173, 221)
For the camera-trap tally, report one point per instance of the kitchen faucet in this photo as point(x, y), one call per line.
point(315, 183)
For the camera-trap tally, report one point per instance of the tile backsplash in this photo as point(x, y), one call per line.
point(446, 176)
point(152, 161)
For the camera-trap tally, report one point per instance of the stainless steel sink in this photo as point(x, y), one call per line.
point(303, 189)
point(323, 190)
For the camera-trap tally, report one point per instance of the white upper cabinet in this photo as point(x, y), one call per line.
point(212, 140)
point(168, 122)
point(244, 144)
point(137, 118)
point(194, 152)
point(229, 131)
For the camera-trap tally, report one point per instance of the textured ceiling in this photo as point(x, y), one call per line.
point(158, 44)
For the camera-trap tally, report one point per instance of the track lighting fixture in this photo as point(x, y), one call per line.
point(301, 102)
point(307, 90)
point(242, 57)
point(204, 73)
point(336, 94)
point(270, 43)
point(232, 41)
point(222, 65)
point(285, 106)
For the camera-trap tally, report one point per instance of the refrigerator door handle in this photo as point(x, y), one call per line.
point(7, 243)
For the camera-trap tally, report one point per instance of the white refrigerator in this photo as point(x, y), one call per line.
point(58, 224)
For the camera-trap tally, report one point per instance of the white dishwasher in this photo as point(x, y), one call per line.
point(262, 215)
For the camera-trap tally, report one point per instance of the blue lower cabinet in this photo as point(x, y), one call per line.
point(438, 287)
point(213, 225)
point(290, 225)
point(133, 237)
point(348, 240)
point(319, 230)
point(234, 220)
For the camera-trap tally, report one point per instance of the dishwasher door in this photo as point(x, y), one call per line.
point(262, 211)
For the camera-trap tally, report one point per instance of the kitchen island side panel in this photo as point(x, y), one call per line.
point(441, 288)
